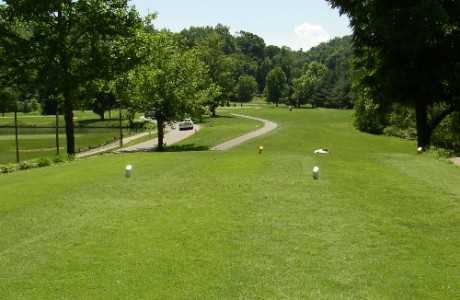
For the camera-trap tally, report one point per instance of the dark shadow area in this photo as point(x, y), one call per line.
point(222, 117)
point(186, 148)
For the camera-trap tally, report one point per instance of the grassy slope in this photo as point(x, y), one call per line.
point(382, 223)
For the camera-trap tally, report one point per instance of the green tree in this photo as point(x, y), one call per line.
point(101, 97)
point(251, 45)
point(211, 98)
point(170, 81)
point(69, 43)
point(276, 86)
point(336, 89)
point(305, 85)
point(8, 100)
point(408, 51)
point(246, 89)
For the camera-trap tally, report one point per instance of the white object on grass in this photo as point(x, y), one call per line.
point(316, 173)
point(261, 149)
point(128, 171)
point(420, 150)
point(322, 151)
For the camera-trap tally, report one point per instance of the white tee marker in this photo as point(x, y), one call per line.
point(128, 171)
point(316, 173)
point(261, 149)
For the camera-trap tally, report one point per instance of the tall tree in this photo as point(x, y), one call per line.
point(276, 86)
point(246, 89)
point(251, 45)
point(408, 52)
point(70, 43)
point(170, 81)
point(305, 85)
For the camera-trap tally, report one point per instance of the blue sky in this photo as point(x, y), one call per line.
point(294, 23)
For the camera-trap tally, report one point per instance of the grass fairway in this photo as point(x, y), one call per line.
point(382, 223)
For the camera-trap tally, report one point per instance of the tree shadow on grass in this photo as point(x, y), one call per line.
point(222, 117)
point(97, 123)
point(187, 148)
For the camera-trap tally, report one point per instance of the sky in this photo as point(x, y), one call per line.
point(294, 23)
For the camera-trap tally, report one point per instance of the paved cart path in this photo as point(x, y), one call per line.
point(456, 160)
point(111, 146)
point(268, 127)
point(172, 136)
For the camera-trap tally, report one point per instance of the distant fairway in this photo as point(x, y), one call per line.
point(382, 223)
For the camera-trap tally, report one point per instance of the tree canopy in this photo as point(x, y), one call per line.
point(246, 88)
point(276, 86)
point(407, 52)
point(170, 82)
point(63, 45)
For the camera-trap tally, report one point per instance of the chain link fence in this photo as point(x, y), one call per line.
point(33, 137)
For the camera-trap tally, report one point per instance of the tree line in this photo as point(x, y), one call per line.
point(98, 54)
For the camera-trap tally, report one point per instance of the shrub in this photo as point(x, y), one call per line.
point(44, 162)
point(447, 135)
point(369, 116)
point(59, 159)
point(25, 165)
point(10, 168)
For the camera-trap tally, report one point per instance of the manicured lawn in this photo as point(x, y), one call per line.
point(382, 223)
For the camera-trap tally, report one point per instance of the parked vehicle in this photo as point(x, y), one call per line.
point(187, 124)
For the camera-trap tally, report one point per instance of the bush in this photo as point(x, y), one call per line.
point(44, 162)
point(25, 165)
point(59, 159)
point(10, 168)
point(369, 116)
point(447, 135)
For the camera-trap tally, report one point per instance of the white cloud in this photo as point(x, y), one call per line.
point(310, 35)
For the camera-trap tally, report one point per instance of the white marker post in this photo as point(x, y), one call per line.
point(129, 171)
point(316, 173)
point(261, 149)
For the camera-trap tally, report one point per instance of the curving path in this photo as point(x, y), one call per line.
point(172, 136)
point(268, 127)
point(111, 146)
point(456, 160)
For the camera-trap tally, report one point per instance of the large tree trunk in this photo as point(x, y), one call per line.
point(161, 134)
point(69, 126)
point(423, 127)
